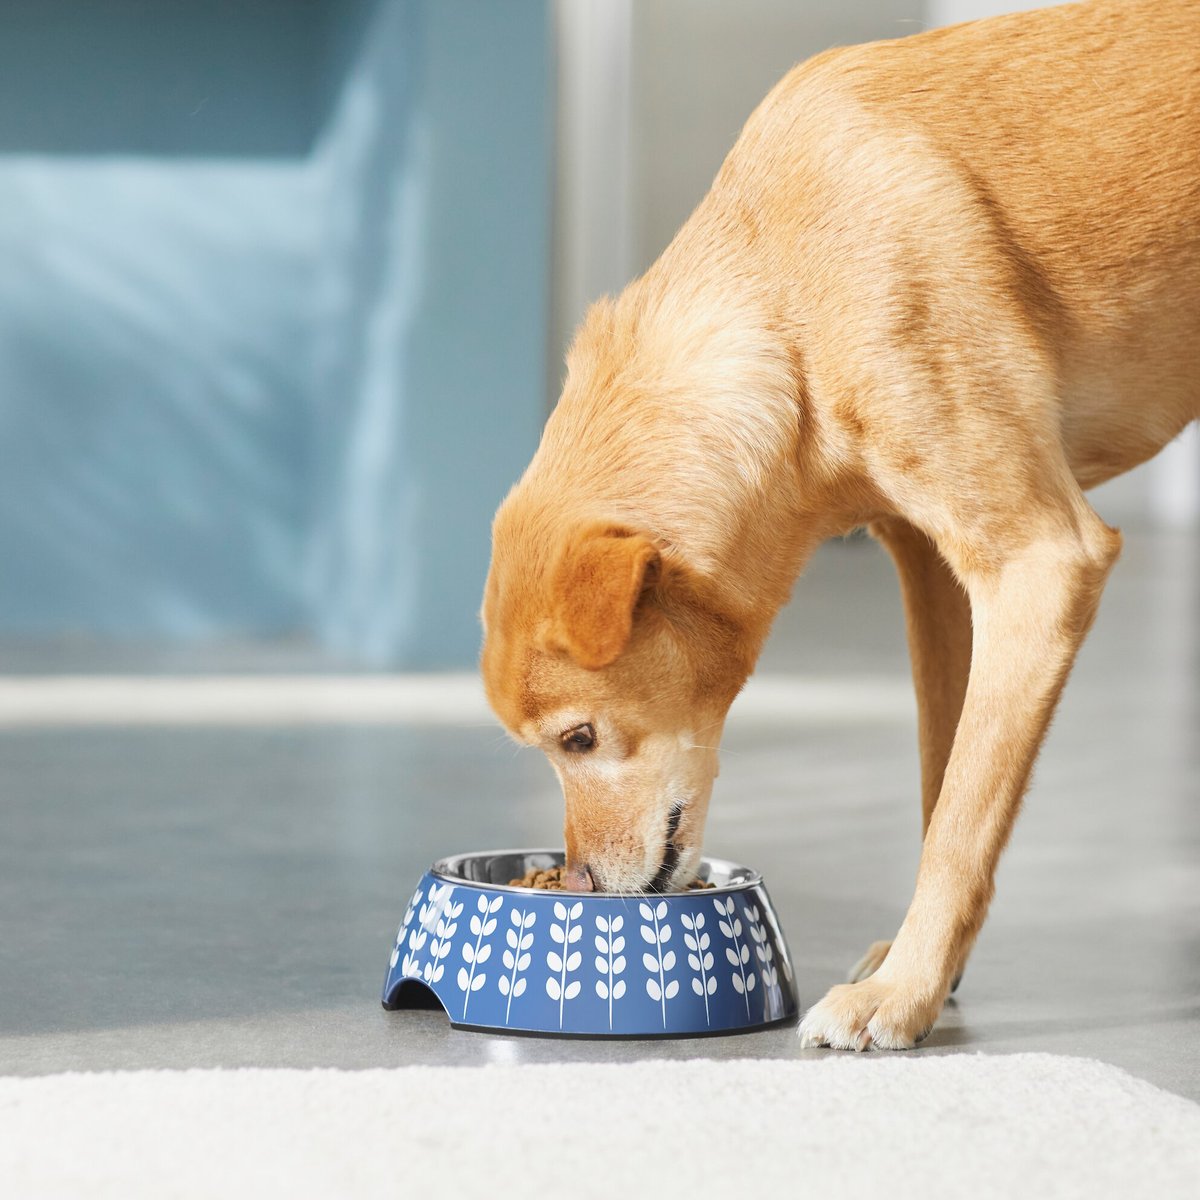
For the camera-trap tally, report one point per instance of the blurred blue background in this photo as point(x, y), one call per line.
point(285, 287)
point(272, 314)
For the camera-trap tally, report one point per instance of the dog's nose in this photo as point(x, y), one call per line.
point(578, 879)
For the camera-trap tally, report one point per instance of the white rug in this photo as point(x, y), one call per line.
point(1029, 1125)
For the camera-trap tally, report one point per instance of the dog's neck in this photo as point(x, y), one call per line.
point(682, 417)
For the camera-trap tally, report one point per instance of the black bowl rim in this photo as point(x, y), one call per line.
point(442, 869)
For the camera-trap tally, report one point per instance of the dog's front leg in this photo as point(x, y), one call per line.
point(1031, 612)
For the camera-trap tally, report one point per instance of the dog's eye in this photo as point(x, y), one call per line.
point(579, 739)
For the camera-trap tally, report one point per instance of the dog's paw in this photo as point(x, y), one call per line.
point(873, 1012)
point(869, 963)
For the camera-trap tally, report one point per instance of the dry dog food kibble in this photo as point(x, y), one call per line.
point(550, 879)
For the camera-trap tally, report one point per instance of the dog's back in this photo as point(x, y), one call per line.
point(1046, 163)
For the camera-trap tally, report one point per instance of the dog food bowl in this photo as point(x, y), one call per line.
point(590, 964)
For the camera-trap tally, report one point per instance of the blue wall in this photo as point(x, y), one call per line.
point(272, 314)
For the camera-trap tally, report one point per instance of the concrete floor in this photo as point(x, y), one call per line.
point(228, 897)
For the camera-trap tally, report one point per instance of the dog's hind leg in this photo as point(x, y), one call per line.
point(938, 620)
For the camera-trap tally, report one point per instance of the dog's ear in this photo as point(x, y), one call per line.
point(594, 589)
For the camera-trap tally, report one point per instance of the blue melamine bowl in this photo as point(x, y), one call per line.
point(590, 964)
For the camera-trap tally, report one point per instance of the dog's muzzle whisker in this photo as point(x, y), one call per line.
point(671, 854)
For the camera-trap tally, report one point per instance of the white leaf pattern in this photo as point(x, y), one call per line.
point(739, 953)
point(700, 959)
point(419, 934)
point(403, 934)
point(558, 986)
point(481, 924)
point(411, 964)
point(516, 958)
point(762, 948)
point(440, 916)
point(610, 963)
point(657, 933)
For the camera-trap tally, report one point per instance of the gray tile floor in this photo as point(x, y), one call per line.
point(180, 897)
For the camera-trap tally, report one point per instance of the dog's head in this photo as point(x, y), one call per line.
point(600, 648)
point(636, 567)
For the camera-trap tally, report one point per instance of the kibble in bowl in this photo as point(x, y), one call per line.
point(550, 879)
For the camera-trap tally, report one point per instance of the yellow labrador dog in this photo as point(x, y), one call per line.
point(940, 286)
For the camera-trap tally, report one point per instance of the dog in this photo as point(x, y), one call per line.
point(940, 287)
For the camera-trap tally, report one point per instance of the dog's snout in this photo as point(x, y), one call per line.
point(578, 879)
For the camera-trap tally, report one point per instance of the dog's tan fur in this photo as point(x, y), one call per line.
point(939, 286)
